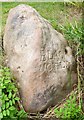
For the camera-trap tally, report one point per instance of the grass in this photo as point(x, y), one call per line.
point(45, 9)
point(66, 18)
point(56, 13)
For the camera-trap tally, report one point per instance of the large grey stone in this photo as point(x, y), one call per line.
point(39, 59)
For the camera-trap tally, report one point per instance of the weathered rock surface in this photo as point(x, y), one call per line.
point(39, 58)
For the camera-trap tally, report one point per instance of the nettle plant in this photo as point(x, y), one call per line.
point(8, 97)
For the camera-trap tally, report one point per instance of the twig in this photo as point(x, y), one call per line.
point(79, 81)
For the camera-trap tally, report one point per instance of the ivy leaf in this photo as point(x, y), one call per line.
point(2, 87)
point(8, 112)
point(10, 95)
point(13, 101)
point(6, 99)
point(14, 95)
point(3, 107)
point(22, 113)
point(17, 98)
point(7, 105)
point(7, 81)
point(12, 108)
point(15, 89)
point(10, 102)
point(4, 113)
point(1, 115)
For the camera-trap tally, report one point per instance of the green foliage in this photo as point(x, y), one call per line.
point(74, 34)
point(70, 110)
point(8, 96)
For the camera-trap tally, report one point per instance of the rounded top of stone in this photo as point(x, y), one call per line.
point(22, 7)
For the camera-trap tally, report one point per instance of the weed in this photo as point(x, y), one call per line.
point(8, 96)
point(70, 110)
